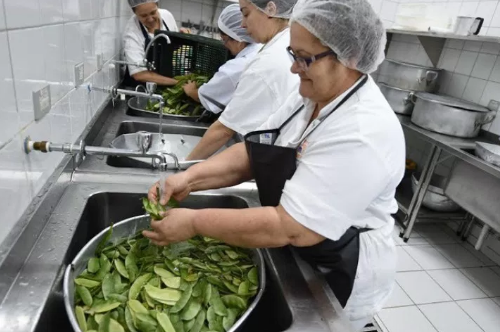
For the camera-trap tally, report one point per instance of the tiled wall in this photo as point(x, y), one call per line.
point(40, 42)
point(487, 9)
point(194, 11)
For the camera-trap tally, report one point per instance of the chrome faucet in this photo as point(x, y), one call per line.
point(157, 158)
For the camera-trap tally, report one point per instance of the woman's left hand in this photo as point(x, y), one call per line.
point(177, 225)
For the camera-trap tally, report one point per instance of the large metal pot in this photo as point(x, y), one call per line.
point(399, 99)
point(449, 116)
point(409, 76)
point(126, 228)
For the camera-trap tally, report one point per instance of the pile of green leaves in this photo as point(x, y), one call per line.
point(155, 209)
point(132, 285)
point(176, 101)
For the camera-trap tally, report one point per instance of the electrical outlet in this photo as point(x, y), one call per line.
point(99, 61)
point(79, 74)
point(41, 102)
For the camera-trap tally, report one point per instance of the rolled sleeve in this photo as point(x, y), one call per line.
point(335, 183)
point(134, 52)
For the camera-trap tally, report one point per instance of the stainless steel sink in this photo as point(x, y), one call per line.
point(130, 127)
point(273, 313)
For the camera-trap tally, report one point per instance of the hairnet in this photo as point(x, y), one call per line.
point(230, 23)
point(349, 27)
point(283, 8)
point(135, 3)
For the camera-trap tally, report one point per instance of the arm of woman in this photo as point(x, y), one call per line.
point(215, 137)
point(262, 227)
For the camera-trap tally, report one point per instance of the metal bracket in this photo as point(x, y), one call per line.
point(433, 46)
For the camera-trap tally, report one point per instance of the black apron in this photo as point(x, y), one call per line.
point(272, 166)
point(128, 80)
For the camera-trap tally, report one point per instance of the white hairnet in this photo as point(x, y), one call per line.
point(349, 27)
point(135, 3)
point(230, 23)
point(276, 8)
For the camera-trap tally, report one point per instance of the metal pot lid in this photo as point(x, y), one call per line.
point(413, 65)
point(392, 87)
point(452, 102)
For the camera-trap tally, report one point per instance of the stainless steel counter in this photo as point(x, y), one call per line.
point(83, 202)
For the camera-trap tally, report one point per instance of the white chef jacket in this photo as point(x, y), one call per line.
point(263, 87)
point(134, 40)
point(347, 173)
point(222, 85)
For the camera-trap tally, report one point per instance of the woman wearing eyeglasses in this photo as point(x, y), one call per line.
point(327, 164)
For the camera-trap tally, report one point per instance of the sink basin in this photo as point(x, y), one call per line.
point(272, 314)
point(180, 139)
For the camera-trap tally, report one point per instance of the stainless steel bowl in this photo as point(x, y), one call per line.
point(123, 229)
point(138, 105)
point(434, 198)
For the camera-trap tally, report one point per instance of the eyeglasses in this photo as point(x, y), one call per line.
point(304, 63)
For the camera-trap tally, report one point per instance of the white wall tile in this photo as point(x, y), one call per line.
point(495, 20)
point(474, 90)
point(474, 46)
point(483, 66)
point(108, 35)
point(490, 92)
point(457, 85)
point(89, 55)
point(486, 9)
point(453, 8)
point(495, 73)
point(191, 11)
point(449, 59)
point(466, 62)
point(73, 41)
point(376, 5)
point(455, 44)
point(85, 9)
point(21, 14)
point(8, 112)
point(493, 32)
point(15, 192)
point(29, 70)
point(2, 16)
point(95, 6)
point(468, 8)
point(56, 73)
point(173, 6)
point(388, 10)
point(491, 48)
point(71, 10)
point(51, 11)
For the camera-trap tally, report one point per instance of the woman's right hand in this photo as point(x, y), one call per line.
point(176, 186)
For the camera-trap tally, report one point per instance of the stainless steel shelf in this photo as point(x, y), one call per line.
point(489, 39)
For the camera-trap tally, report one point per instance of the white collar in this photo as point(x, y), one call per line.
point(247, 50)
point(275, 39)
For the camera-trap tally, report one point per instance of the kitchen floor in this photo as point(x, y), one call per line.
point(442, 285)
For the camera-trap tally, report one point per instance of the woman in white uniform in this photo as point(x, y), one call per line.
point(217, 93)
point(266, 82)
point(138, 33)
point(327, 164)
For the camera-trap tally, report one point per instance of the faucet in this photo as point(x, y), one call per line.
point(161, 35)
point(157, 158)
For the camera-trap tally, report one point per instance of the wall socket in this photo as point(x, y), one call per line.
point(100, 58)
point(79, 74)
point(41, 102)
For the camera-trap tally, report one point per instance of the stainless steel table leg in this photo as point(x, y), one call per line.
point(419, 194)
